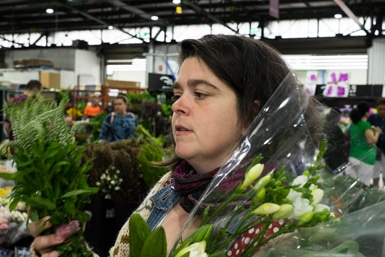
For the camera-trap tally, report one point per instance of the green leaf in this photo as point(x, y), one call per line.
point(155, 244)
point(139, 232)
point(79, 192)
point(40, 203)
point(7, 175)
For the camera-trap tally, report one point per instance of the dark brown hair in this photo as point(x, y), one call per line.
point(251, 68)
point(124, 99)
point(380, 101)
point(33, 85)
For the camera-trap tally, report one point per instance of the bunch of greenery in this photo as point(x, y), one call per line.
point(51, 177)
point(151, 150)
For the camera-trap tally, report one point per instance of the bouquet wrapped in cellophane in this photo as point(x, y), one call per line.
point(51, 178)
point(276, 196)
point(12, 223)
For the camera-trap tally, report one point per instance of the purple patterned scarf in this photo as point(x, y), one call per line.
point(191, 186)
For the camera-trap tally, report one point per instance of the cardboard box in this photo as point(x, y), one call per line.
point(50, 79)
point(121, 83)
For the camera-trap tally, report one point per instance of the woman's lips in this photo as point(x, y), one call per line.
point(180, 130)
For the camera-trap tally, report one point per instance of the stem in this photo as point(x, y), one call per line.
point(222, 206)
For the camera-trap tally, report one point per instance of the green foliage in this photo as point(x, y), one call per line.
point(50, 177)
point(140, 98)
point(150, 151)
point(166, 109)
point(143, 242)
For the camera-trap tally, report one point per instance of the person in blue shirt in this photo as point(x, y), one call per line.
point(378, 120)
point(119, 124)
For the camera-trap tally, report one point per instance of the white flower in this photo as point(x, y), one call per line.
point(317, 195)
point(195, 250)
point(321, 207)
point(301, 205)
point(300, 181)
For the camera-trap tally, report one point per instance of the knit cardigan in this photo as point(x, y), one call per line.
point(121, 247)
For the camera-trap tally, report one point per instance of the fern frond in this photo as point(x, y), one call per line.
point(38, 119)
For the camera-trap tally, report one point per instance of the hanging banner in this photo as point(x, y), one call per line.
point(274, 8)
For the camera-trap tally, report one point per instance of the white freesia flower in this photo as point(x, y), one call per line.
point(317, 195)
point(301, 205)
point(321, 207)
point(300, 180)
point(195, 250)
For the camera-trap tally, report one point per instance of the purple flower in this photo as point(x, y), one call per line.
point(66, 230)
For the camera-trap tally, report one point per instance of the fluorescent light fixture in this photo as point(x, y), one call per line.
point(154, 18)
point(327, 62)
point(49, 10)
point(338, 16)
point(176, 1)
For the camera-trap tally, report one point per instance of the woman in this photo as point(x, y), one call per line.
point(223, 83)
point(363, 139)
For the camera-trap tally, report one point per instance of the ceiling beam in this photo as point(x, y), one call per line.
point(351, 15)
point(90, 17)
point(211, 17)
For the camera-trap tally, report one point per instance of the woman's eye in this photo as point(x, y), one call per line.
point(174, 98)
point(200, 95)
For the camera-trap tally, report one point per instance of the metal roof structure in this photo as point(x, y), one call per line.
point(29, 16)
point(24, 16)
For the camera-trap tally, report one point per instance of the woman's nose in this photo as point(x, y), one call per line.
point(180, 106)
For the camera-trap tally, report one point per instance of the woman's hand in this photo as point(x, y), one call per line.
point(378, 130)
point(43, 244)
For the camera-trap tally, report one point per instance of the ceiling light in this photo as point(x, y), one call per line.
point(338, 16)
point(110, 27)
point(176, 1)
point(49, 10)
point(154, 18)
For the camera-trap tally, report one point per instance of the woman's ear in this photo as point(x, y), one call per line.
point(256, 107)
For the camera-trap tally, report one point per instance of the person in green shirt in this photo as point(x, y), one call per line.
point(363, 139)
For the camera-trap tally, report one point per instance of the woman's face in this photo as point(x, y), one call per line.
point(205, 121)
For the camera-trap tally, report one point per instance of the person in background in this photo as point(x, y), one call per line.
point(32, 88)
point(378, 120)
point(119, 124)
point(92, 109)
point(223, 83)
point(363, 139)
point(336, 154)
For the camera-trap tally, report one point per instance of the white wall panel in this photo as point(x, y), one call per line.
point(376, 53)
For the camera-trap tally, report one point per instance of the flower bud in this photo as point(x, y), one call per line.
point(317, 195)
point(284, 211)
point(262, 182)
point(260, 195)
point(252, 175)
point(305, 218)
point(266, 208)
